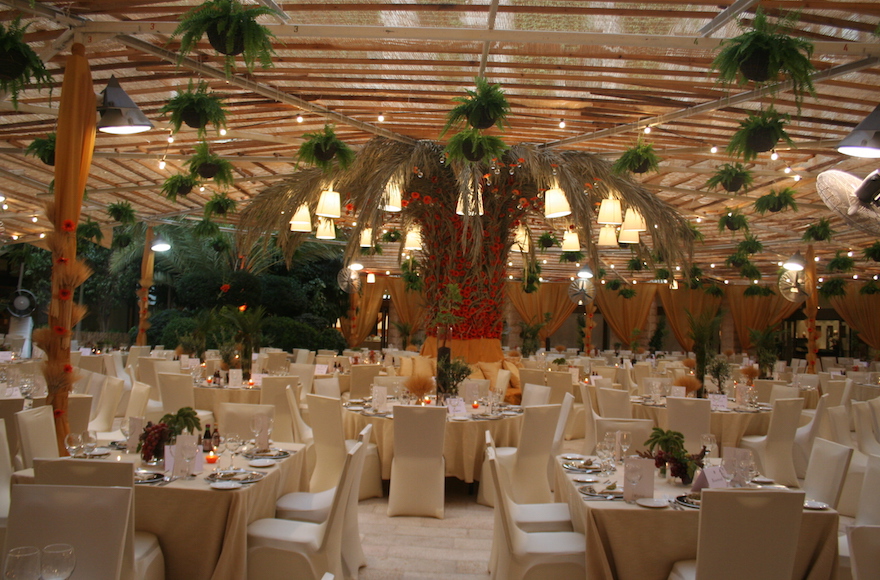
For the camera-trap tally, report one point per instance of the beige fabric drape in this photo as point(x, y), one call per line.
point(756, 312)
point(625, 315)
point(677, 303)
point(811, 309)
point(551, 297)
point(364, 308)
point(861, 312)
point(410, 306)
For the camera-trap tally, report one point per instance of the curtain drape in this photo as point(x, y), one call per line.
point(861, 312)
point(410, 306)
point(364, 306)
point(756, 312)
point(677, 303)
point(551, 297)
point(811, 308)
point(471, 350)
point(626, 315)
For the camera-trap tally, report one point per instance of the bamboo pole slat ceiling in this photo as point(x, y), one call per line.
point(609, 70)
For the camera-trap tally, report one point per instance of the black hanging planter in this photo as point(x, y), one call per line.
point(218, 41)
point(192, 117)
point(12, 64)
point(761, 140)
point(734, 184)
point(472, 151)
point(777, 206)
point(208, 170)
point(642, 167)
point(732, 227)
point(185, 189)
point(483, 121)
point(325, 152)
point(738, 262)
point(756, 66)
point(48, 158)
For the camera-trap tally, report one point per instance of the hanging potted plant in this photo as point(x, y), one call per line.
point(614, 284)
point(818, 232)
point(548, 240)
point(571, 257)
point(662, 274)
point(89, 230)
point(121, 238)
point(737, 260)
point(196, 108)
point(733, 220)
point(391, 236)
point(640, 158)
point(480, 108)
point(180, 184)
point(220, 244)
point(833, 287)
point(758, 133)
point(776, 201)
point(627, 293)
point(321, 147)
point(232, 29)
point(19, 64)
point(841, 263)
point(764, 53)
point(122, 212)
point(472, 145)
point(731, 176)
point(220, 204)
point(635, 264)
point(750, 272)
point(210, 166)
point(872, 252)
point(758, 290)
point(531, 277)
point(206, 228)
point(43, 148)
point(750, 245)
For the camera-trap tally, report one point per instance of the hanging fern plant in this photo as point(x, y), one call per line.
point(640, 158)
point(531, 277)
point(870, 288)
point(750, 245)
point(571, 257)
point(872, 252)
point(20, 66)
point(819, 232)
point(391, 236)
point(841, 263)
point(662, 274)
point(548, 240)
point(776, 201)
point(758, 290)
point(409, 271)
point(122, 212)
point(472, 145)
point(737, 260)
point(179, 184)
point(614, 284)
point(43, 148)
point(196, 107)
point(732, 220)
point(89, 230)
point(627, 293)
point(480, 108)
point(714, 290)
point(833, 287)
point(321, 147)
point(209, 165)
point(758, 133)
point(220, 204)
point(731, 176)
point(750, 272)
point(206, 228)
point(635, 264)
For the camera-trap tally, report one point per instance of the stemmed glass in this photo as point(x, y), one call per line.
point(125, 429)
point(606, 458)
point(707, 440)
point(611, 444)
point(220, 449)
point(625, 443)
point(233, 442)
point(633, 476)
point(89, 442)
point(257, 422)
point(188, 452)
point(73, 444)
point(23, 563)
point(269, 423)
point(58, 562)
point(728, 469)
point(26, 388)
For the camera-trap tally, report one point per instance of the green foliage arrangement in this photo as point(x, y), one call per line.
point(870, 288)
point(833, 287)
point(750, 272)
point(655, 343)
point(750, 245)
point(122, 212)
point(185, 420)
point(695, 232)
point(841, 263)
point(481, 108)
point(43, 148)
point(731, 176)
point(635, 264)
point(21, 65)
point(196, 107)
point(321, 147)
point(820, 231)
point(89, 230)
point(704, 331)
point(640, 158)
point(450, 373)
point(758, 290)
point(209, 165)
point(719, 369)
point(391, 236)
point(766, 344)
point(627, 292)
point(529, 334)
point(758, 133)
point(614, 284)
point(206, 228)
point(737, 260)
point(178, 184)
point(531, 276)
point(248, 325)
point(232, 29)
point(662, 274)
point(409, 271)
point(733, 220)
point(220, 204)
point(548, 240)
point(776, 201)
point(473, 145)
point(670, 451)
point(872, 252)
point(714, 290)
point(571, 257)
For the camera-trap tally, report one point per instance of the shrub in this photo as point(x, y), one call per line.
point(287, 334)
point(175, 329)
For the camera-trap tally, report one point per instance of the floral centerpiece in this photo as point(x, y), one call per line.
point(667, 450)
point(152, 442)
point(750, 373)
point(450, 373)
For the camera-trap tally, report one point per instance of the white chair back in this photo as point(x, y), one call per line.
point(532, 376)
point(605, 372)
point(778, 462)
point(866, 439)
point(835, 390)
point(868, 513)
point(811, 381)
point(640, 430)
point(138, 399)
point(36, 430)
point(302, 433)
point(177, 392)
point(111, 393)
point(783, 392)
point(418, 470)
point(272, 392)
point(6, 469)
point(94, 389)
point(838, 421)
point(864, 545)
point(236, 417)
point(8, 409)
point(306, 374)
point(829, 463)
point(92, 363)
point(560, 384)
point(590, 417)
point(533, 452)
point(276, 362)
point(614, 404)
point(502, 382)
point(806, 434)
point(328, 387)
point(78, 408)
point(534, 395)
point(362, 379)
point(326, 419)
point(690, 417)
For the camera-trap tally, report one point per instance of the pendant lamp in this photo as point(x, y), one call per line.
point(570, 241)
point(413, 240)
point(607, 236)
point(301, 220)
point(392, 197)
point(555, 203)
point(634, 221)
point(329, 205)
point(628, 237)
point(609, 212)
point(367, 238)
point(326, 229)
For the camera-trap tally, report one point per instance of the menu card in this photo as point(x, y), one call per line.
point(258, 379)
point(719, 402)
point(575, 374)
point(320, 369)
point(455, 406)
point(645, 485)
point(380, 399)
point(136, 427)
point(676, 391)
point(85, 351)
point(235, 377)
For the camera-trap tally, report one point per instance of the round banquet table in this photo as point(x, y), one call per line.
point(727, 426)
point(463, 448)
point(209, 398)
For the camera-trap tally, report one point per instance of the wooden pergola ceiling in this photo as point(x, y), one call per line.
point(609, 69)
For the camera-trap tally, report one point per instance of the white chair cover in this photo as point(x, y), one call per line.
point(362, 380)
point(808, 381)
point(92, 520)
point(639, 428)
point(838, 424)
point(614, 404)
point(590, 417)
point(418, 472)
point(111, 394)
point(306, 374)
point(564, 413)
point(273, 392)
point(745, 534)
point(864, 545)
point(783, 392)
point(276, 362)
point(560, 384)
point(8, 409)
point(773, 452)
point(535, 445)
point(532, 376)
point(690, 417)
point(36, 429)
point(6, 470)
point(328, 387)
point(805, 435)
point(534, 395)
point(177, 392)
point(137, 401)
point(865, 436)
point(829, 463)
point(236, 417)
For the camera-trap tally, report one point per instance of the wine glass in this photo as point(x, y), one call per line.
point(633, 476)
point(58, 562)
point(188, 452)
point(233, 442)
point(707, 440)
point(269, 423)
point(220, 449)
point(728, 469)
point(89, 442)
point(625, 443)
point(257, 423)
point(23, 563)
point(73, 443)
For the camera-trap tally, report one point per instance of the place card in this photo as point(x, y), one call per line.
point(6, 355)
point(380, 399)
point(136, 427)
point(455, 406)
point(177, 466)
point(740, 394)
point(320, 369)
point(711, 477)
point(235, 377)
point(645, 485)
point(575, 374)
point(719, 402)
point(184, 361)
point(258, 379)
point(676, 391)
point(471, 392)
point(85, 351)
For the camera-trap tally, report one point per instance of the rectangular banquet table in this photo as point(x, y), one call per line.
point(629, 542)
point(203, 531)
point(464, 444)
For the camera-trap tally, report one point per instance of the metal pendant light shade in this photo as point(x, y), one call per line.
point(864, 141)
point(119, 114)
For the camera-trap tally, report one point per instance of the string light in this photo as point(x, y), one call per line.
point(202, 188)
point(299, 118)
point(647, 129)
point(797, 177)
point(381, 118)
point(562, 124)
point(34, 219)
point(161, 164)
point(713, 149)
point(170, 138)
point(774, 156)
point(223, 132)
point(787, 169)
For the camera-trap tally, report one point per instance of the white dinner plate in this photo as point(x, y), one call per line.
point(261, 463)
point(585, 479)
point(355, 408)
point(99, 452)
point(225, 485)
point(812, 504)
point(762, 480)
point(573, 456)
point(652, 502)
point(355, 400)
point(509, 413)
point(459, 418)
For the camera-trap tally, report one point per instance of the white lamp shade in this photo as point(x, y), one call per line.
point(371, 278)
point(329, 205)
point(413, 240)
point(607, 236)
point(367, 237)
point(609, 212)
point(326, 229)
point(301, 220)
point(392, 197)
point(555, 203)
point(521, 237)
point(628, 237)
point(570, 242)
point(634, 221)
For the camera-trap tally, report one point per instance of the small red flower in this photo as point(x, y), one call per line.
point(242, 308)
point(59, 330)
point(58, 412)
point(68, 368)
point(225, 288)
point(415, 195)
point(404, 203)
point(65, 294)
point(68, 225)
point(349, 207)
point(62, 260)
point(428, 199)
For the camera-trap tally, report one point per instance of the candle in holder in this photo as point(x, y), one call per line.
point(476, 405)
point(209, 380)
point(427, 400)
point(211, 457)
point(250, 382)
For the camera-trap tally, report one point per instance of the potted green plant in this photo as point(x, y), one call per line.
point(750, 245)
point(870, 288)
point(571, 257)
point(219, 204)
point(635, 264)
point(719, 369)
point(704, 331)
point(614, 284)
point(206, 228)
point(640, 158)
point(320, 147)
point(662, 274)
point(409, 272)
point(531, 276)
point(758, 133)
point(766, 343)
point(737, 260)
point(43, 148)
point(695, 232)
point(776, 201)
point(731, 176)
point(391, 236)
point(248, 325)
point(195, 107)
point(733, 220)
point(714, 290)
point(548, 240)
point(210, 165)
point(667, 450)
point(481, 108)
point(232, 29)
point(220, 243)
point(833, 287)
point(19, 64)
point(450, 374)
point(179, 184)
point(122, 238)
point(89, 230)
point(529, 333)
point(758, 290)
point(473, 145)
point(872, 252)
point(764, 53)
point(627, 292)
point(750, 272)
point(818, 232)
point(122, 212)
point(841, 263)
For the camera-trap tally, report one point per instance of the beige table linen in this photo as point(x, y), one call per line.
point(209, 398)
point(463, 448)
point(728, 427)
point(865, 391)
point(629, 542)
point(203, 531)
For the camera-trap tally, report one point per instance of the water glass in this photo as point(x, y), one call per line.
point(728, 470)
point(189, 452)
point(73, 443)
point(233, 443)
point(58, 562)
point(125, 427)
point(633, 476)
point(625, 441)
point(708, 441)
point(89, 442)
point(22, 563)
point(257, 423)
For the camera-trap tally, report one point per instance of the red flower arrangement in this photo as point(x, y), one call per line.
point(58, 413)
point(62, 260)
point(65, 294)
point(68, 368)
point(59, 330)
point(225, 288)
point(68, 225)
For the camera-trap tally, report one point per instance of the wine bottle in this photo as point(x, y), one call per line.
point(207, 441)
point(215, 437)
